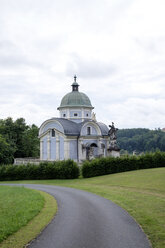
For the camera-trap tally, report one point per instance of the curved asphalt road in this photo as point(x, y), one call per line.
point(85, 220)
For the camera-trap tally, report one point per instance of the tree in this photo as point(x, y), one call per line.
point(31, 142)
point(20, 129)
point(19, 139)
point(6, 152)
point(141, 140)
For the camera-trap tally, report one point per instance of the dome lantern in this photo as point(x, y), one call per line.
point(75, 85)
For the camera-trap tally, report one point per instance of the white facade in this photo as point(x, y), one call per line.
point(58, 142)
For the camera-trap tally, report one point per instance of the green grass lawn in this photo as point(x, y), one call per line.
point(141, 193)
point(18, 206)
point(25, 234)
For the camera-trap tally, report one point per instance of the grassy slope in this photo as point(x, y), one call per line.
point(141, 193)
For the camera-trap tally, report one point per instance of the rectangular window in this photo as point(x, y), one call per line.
point(75, 114)
point(53, 133)
point(88, 130)
point(64, 115)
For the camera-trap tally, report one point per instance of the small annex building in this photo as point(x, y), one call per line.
point(75, 134)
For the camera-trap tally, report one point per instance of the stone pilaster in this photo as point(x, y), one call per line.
point(57, 147)
point(41, 149)
point(107, 146)
point(100, 151)
point(66, 149)
point(82, 114)
point(80, 150)
point(48, 147)
point(104, 152)
point(68, 114)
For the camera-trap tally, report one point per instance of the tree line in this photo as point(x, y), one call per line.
point(141, 140)
point(17, 140)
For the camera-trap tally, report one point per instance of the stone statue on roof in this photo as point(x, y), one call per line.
point(113, 139)
point(93, 116)
point(112, 131)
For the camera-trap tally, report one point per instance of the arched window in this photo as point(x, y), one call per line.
point(88, 130)
point(53, 133)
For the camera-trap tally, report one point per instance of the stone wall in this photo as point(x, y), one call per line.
point(18, 161)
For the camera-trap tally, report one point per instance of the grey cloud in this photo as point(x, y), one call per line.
point(7, 44)
point(89, 68)
point(136, 112)
point(12, 86)
point(38, 59)
point(150, 44)
point(12, 56)
point(18, 60)
point(160, 76)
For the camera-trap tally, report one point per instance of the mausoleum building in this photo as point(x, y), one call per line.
point(75, 134)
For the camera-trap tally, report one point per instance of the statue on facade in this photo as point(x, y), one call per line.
point(93, 117)
point(113, 139)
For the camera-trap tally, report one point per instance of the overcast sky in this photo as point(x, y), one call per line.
point(115, 47)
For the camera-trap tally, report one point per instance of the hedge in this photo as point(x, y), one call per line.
point(66, 169)
point(109, 165)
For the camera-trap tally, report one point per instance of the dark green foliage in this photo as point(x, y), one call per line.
point(109, 165)
point(66, 169)
point(17, 140)
point(6, 151)
point(141, 140)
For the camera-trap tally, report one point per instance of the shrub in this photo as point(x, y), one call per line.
point(109, 165)
point(66, 169)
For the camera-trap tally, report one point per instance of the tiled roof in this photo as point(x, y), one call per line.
point(103, 127)
point(72, 128)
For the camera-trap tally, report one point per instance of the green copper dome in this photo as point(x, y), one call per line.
point(75, 98)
